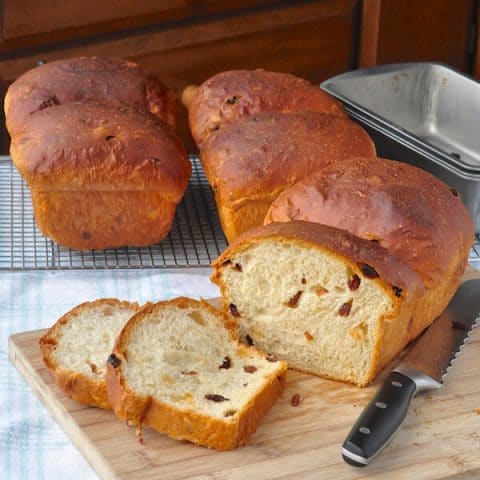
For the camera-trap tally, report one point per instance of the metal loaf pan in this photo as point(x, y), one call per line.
point(425, 114)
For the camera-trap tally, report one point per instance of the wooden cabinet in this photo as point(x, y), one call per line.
point(420, 30)
point(26, 23)
point(186, 41)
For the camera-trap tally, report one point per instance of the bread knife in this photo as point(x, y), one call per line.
point(423, 368)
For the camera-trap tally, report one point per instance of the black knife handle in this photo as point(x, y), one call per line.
point(379, 421)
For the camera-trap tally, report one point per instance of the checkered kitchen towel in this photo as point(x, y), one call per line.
point(32, 446)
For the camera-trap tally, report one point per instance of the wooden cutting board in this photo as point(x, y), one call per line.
point(440, 438)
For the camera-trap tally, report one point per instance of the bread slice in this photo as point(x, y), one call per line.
point(178, 367)
point(324, 300)
point(76, 348)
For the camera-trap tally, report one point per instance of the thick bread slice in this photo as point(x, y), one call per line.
point(76, 348)
point(324, 300)
point(177, 366)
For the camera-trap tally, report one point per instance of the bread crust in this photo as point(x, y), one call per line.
point(77, 385)
point(95, 78)
point(100, 146)
point(99, 220)
point(230, 96)
point(393, 332)
point(253, 160)
point(187, 424)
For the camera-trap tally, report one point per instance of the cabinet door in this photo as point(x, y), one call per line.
point(418, 30)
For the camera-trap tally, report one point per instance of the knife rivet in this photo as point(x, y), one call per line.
point(381, 405)
point(364, 430)
point(397, 384)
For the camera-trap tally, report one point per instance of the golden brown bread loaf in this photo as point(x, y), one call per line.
point(102, 174)
point(251, 161)
point(95, 78)
point(233, 95)
point(408, 211)
point(326, 301)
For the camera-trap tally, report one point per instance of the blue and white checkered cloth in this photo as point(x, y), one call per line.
point(32, 446)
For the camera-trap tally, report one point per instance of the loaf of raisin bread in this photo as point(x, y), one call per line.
point(327, 302)
point(101, 174)
point(406, 210)
point(93, 138)
point(233, 95)
point(177, 366)
point(75, 349)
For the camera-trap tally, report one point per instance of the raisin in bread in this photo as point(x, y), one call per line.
point(324, 300)
point(76, 348)
point(230, 96)
point(177, 366)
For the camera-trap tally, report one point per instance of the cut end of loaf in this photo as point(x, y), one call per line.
point(181, 370)
point(76, 348)
point(318, 310)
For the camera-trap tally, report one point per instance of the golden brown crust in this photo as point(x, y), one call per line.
point(339, 242)
point(187, 424)
point(96, 78)
point(100, 146)
point(230, 96)
point(260, 156)
point(253, 160)
point(98, 220)
point(411, 213)
point(236, 221)
point(77, 385)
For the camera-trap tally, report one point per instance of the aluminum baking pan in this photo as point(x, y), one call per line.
point(424, 114)
point(431, 101)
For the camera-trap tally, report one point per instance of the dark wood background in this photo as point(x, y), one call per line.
point(187, 41)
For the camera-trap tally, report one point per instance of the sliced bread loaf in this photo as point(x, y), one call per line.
point(76, 348)
point(177, 366)
point(324, 300)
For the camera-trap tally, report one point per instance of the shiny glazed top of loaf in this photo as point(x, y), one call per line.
point(101, 146)
point(233, 95)
point(72, 80)
point(258, 157)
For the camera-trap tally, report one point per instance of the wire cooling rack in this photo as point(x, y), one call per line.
point(195, 240)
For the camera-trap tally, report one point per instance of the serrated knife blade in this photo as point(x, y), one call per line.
point(423, 368)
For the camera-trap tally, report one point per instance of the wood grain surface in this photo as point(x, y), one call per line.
point(440, 438)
